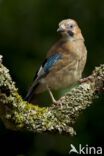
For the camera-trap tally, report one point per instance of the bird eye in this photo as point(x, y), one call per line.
point(71, 26)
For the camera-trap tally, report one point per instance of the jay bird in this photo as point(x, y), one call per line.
point(64, 62)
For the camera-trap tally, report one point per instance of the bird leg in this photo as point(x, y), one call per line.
point(52, 97)
point(57, 103)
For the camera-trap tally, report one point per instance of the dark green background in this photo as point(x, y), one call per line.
point(27, 31)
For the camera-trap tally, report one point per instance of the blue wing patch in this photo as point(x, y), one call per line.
point(52, 60)
point(47, 66)
point(42, 72)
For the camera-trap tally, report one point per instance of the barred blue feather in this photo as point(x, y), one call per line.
point(52, 60)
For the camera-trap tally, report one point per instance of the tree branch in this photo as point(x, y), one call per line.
point(17, 114)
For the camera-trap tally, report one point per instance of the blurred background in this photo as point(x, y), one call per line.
point(27, 31)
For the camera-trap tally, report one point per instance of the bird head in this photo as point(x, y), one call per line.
point(69, 29)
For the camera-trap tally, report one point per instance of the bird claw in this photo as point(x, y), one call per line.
point(89, 78)
point(56, 103)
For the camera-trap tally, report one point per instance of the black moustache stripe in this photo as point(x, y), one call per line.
point(70, 33)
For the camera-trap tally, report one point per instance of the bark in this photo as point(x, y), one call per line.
point(17, 114)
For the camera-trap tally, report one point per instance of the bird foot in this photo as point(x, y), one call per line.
point(56, 103)
point(89, 78)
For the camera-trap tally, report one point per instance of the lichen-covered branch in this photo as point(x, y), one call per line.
point(17, 114)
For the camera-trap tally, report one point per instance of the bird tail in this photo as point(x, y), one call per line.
point(30, 93)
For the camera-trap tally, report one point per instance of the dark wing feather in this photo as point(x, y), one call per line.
point(42, 72)
point(47, 65)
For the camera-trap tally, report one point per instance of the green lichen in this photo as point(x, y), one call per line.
point(17, 114)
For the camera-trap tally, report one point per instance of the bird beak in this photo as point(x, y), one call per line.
point(60, 30)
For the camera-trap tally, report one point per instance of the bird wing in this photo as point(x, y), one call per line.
point(54, 63)
point(47, 65)
point(68, 62)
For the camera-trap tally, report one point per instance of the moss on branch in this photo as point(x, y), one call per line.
point(17, 114)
